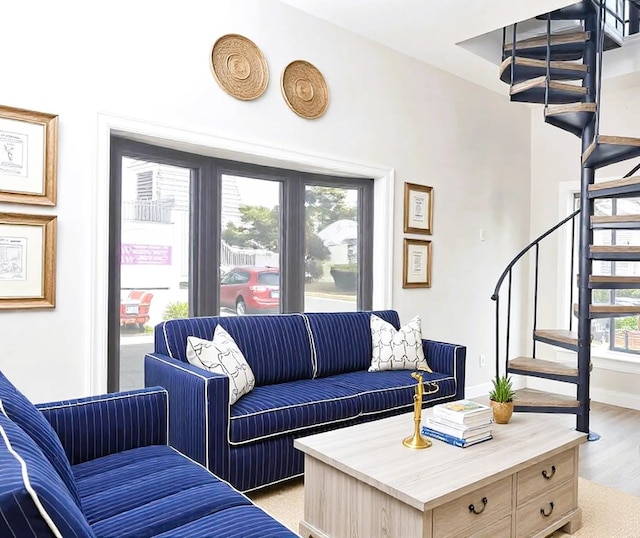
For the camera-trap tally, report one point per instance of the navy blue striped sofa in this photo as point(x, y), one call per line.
point(311, 375)
point(101, 467)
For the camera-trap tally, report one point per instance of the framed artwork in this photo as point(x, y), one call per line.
point(27, 261)
point(28, 156)
point(418, 209)
point(416, 264)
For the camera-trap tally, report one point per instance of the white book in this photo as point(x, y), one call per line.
point(463, 411)
point(456, 430)
point(483, 421)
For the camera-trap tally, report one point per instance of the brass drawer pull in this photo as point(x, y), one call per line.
point(472, 508)
point(549, 476)
point(550, 511)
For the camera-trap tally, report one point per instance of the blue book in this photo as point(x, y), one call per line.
point(455, 441)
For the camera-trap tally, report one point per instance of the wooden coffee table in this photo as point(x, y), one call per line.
point(362, 482)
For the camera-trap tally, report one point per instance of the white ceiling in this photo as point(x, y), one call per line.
point(430, 30)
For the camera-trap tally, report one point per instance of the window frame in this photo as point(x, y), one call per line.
point(611, 292)
point(205, 230)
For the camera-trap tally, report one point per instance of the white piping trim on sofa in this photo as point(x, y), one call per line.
point(166, 339)
point(273, 483)
point(312, 346)
point(46, 407)
point(360, 414)
point(285, 432)
point(229, 483)
point(27, 482)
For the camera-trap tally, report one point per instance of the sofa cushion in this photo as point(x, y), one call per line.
point(26, 416)
point(244, 521)
point(288, 407)
point(342, 340)
point(149, 491)
point(222, 356)
point(394, 389)
point(278, 348)
point(34, 501)
point(397, 349)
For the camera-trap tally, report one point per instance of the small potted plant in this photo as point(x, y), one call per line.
point(501, 399)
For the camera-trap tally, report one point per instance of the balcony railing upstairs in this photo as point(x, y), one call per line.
point(622, 16)
point(148, 210)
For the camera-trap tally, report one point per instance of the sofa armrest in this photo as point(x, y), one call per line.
point(198, 410)
point(97, 426)
point(447, 359)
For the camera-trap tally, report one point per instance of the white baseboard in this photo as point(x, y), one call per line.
point(613, 397)
point(606, 396)
point(478, 391)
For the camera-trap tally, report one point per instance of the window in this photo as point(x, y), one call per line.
point(615, 333)
point(309, 235)
point(205, 236)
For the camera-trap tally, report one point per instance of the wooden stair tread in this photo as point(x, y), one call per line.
point(555, 110)
point(615, 187)
point(530, 364)
point(538, 398)
point(610, 310)
point(604, 280)
point(540, 82)
point(559, 335)
point(606, 150)
point(526, 68)
point(571, 117)
point(615, 218)
point(615, 249)
point(628, 253)
point(556, 39)
point(615, 309)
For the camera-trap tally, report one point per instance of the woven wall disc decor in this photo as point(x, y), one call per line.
point(304, 89)
point(239, 67)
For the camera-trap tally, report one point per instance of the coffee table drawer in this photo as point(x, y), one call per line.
point(476, 510)
point(546, 509)
point(545, 475)
point(500, 529)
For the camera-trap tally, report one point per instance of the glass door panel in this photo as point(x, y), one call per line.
point(154, 258)
point(331, 249)
point(250, 246)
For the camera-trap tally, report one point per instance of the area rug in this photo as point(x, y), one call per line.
point(606, 512)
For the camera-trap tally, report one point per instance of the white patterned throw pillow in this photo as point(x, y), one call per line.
point(222, 356)
point(397, 349)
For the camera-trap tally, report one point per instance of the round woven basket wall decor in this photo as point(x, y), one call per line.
point(239, 67)
point(304, 89)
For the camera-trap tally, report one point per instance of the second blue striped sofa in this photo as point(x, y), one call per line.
point(311, 375)
point(101, 467)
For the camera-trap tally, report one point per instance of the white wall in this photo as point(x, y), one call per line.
point(556, 159)
point(150, 62)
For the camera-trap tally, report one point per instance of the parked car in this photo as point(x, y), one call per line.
point(251, 290)
point(134, 310)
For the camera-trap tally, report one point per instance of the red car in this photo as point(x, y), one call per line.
point(251, 290)
point(134, 310)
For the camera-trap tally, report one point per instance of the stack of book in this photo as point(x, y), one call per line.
point(461, 423)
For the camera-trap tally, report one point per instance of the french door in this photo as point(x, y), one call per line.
point(192, 235)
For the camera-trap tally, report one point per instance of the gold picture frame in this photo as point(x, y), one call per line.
point(416, 264)
point(418, 209)
point(27, 261)
point(28, 156)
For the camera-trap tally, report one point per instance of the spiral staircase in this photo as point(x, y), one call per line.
point(563, 72)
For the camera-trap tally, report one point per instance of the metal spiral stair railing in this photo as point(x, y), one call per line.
point(547, 70)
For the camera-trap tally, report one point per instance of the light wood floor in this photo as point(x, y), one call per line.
point(614, 459)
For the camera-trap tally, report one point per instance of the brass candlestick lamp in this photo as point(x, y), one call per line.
point(416, 440)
